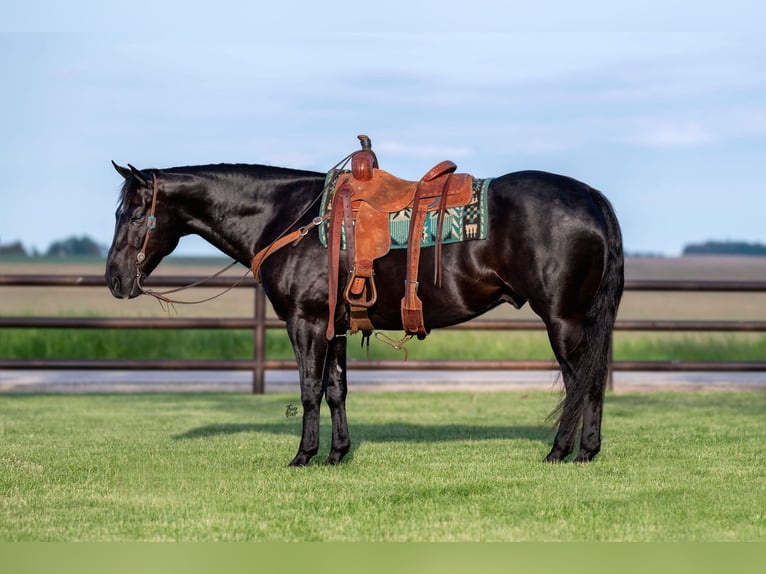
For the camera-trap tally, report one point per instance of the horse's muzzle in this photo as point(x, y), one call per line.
point(122, 289)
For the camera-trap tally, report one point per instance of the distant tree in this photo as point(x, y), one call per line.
point(74, 246)
point(725, 248)
point(15, 248)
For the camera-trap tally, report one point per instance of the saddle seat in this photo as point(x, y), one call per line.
point(362, 203)
point(372, 201)
point(388, 193)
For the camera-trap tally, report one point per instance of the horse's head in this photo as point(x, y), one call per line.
point(145, 232)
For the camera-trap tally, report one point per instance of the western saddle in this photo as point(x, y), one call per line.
point(362, 202)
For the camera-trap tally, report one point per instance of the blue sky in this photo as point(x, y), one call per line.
point(661, 106)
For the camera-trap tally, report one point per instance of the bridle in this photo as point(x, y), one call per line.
point(162, 296)
point(151, 224)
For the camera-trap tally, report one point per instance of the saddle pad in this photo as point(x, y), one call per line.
point(460, 223)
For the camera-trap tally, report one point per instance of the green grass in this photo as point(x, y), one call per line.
point(225, 344)
point(441, 466)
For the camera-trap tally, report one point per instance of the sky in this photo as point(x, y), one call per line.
point(661, 106)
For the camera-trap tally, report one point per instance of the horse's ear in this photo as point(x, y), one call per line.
point(126, 172)
point(123, 171)
point(138, 175)
point(135, 172)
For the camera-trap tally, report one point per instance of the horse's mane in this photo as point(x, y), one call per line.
point(128, 188)
point(127, 191)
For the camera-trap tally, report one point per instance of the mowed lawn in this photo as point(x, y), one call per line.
point(425, 466)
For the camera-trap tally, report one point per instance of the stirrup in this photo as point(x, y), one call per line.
point(360, 290)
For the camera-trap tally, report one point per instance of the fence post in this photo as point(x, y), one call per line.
point(259, 342)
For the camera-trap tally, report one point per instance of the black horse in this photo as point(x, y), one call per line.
point(552, 241)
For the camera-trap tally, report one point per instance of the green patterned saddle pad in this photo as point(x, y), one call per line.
point(460, 223)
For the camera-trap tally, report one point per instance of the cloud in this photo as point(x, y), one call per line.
point(672, 135)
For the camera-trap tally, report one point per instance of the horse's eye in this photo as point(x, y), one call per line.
point(136, 216)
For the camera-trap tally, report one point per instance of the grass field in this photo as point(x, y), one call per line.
point(436, 466)
point(424, 466)
point(200, 344)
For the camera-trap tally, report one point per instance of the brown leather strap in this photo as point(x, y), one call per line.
point(151, 223)
point(333, 256)
point(261, 256)
point(412, 308)
point(293, 238)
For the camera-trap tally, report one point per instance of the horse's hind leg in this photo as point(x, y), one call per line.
point(590, 440)
point(596, 372)
point(582, 353)
point(335, 393)
point(565, 337)
point(569, 415)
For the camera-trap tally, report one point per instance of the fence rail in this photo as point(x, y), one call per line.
point(259, 323)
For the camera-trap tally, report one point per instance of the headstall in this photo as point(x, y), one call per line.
point(162, 296)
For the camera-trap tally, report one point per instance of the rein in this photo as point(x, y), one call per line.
point(162, 296)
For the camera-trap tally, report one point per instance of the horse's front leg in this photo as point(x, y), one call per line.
point(335, 392)
point(310, 347)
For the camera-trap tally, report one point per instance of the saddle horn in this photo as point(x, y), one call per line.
point(365, 141)
point(364, 160)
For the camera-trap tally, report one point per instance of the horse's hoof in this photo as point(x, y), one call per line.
point(555, 457)
point(299, 461)
point(334, 458)
point(585, 456)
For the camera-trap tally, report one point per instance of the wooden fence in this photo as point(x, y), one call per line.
point(259, 323)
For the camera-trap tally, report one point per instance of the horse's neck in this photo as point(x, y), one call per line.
point(239, 216)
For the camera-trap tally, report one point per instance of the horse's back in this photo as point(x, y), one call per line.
point(547, 207)
point(541, 196)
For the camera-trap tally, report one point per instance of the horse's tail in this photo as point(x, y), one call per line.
point(591, 369)
point(603, 312)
